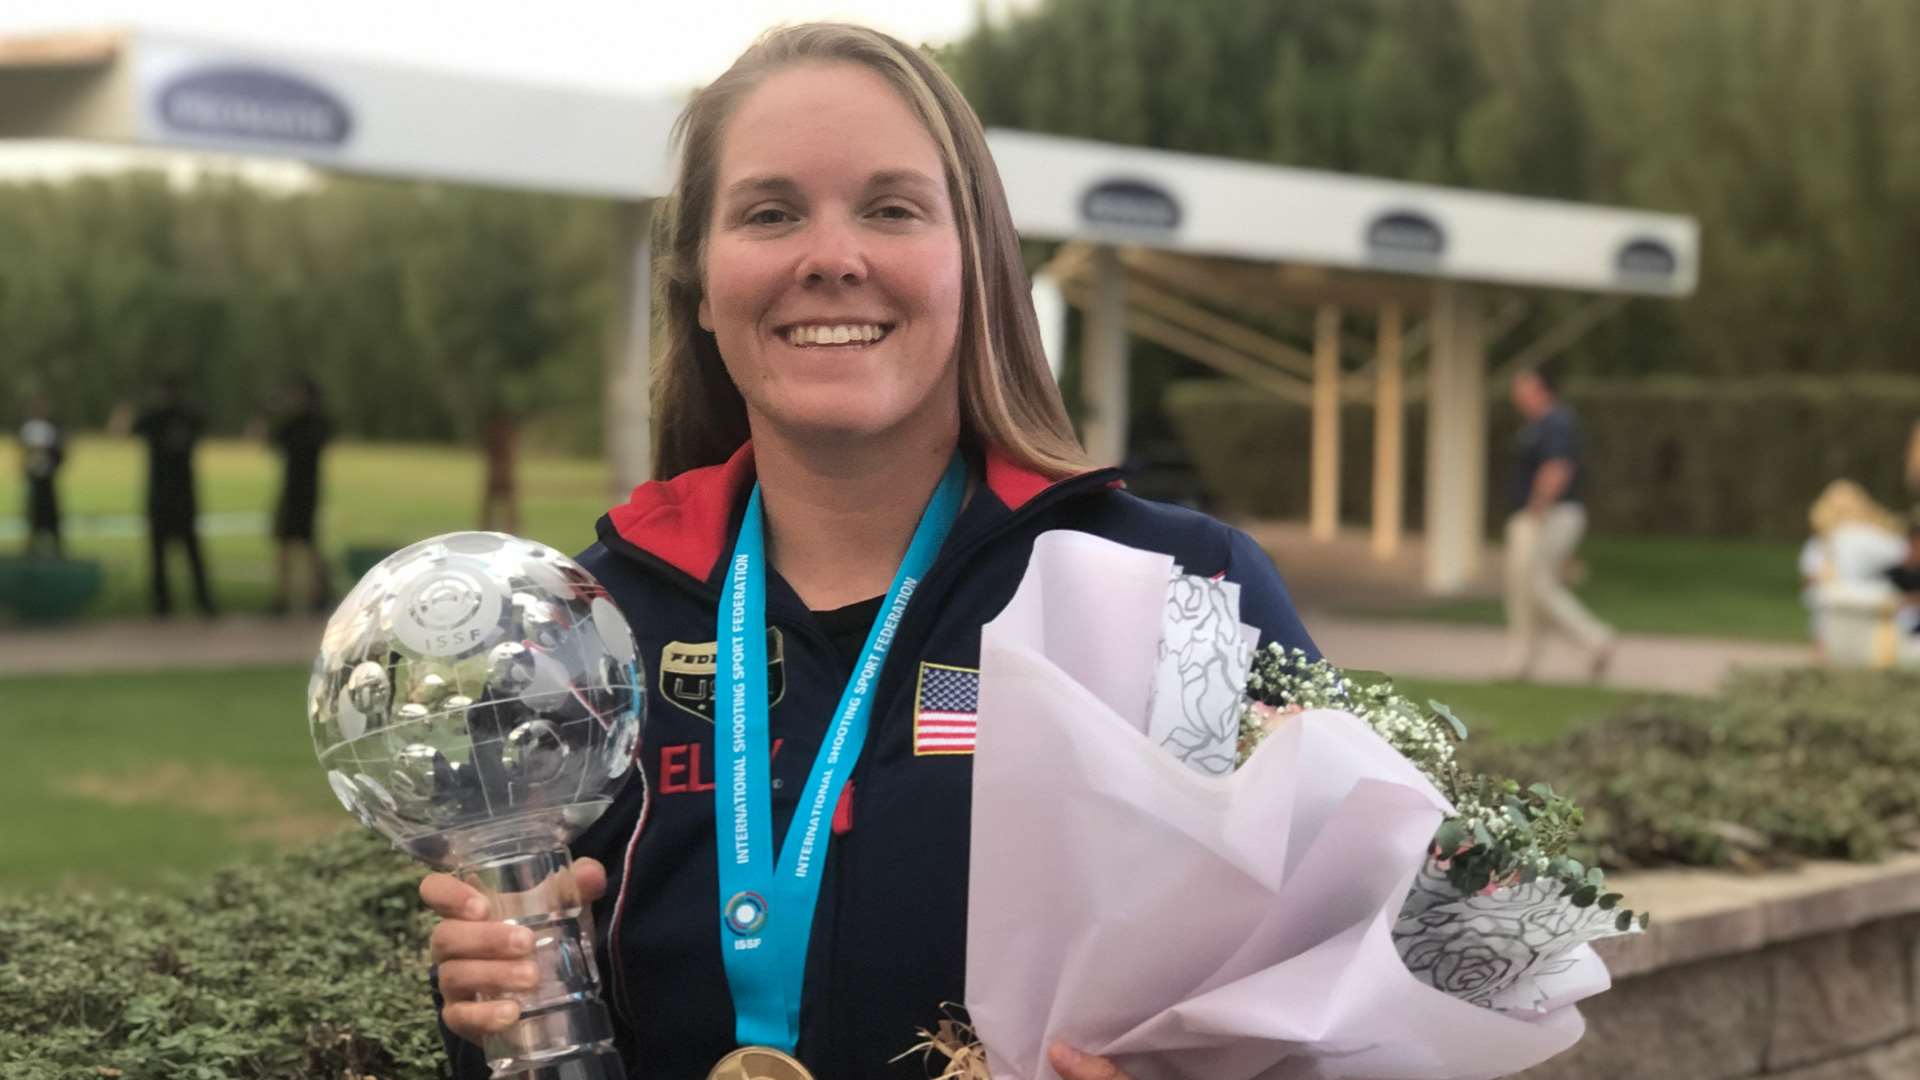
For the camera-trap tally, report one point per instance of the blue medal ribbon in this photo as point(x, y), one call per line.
point(766, 907)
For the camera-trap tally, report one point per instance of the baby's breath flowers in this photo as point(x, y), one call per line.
point(1500, 835)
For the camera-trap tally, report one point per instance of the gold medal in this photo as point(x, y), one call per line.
point(758, 1063)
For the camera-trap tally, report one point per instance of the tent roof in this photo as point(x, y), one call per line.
point(156, 88)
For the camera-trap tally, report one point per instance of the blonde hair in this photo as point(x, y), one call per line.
point(1008, 399)
point(1844, 502)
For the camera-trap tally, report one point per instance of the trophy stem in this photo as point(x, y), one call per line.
point(564, 1031)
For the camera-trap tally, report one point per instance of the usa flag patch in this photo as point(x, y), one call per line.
point(946, 710)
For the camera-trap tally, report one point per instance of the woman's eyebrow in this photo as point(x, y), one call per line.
point(785, 187)
point(907, 178)
point(762, 185)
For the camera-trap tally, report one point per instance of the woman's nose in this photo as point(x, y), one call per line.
point(835, 255)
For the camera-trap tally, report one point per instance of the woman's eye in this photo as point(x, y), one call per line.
point(770, 215)
point(895, 212)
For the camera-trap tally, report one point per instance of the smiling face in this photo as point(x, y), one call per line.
point(832, 264)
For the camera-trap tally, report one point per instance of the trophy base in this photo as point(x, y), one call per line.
point(596, 1064)
point(572, 1040)
point(564, 1031)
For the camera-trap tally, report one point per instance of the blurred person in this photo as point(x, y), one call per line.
point(43, 449)
point(1905, 578)
point(1913, 462)
point(171, 427)
point(499, 495)
point(300, 433)
point(1853, 538)
point(852, 371)
point(1549, 518)
point(1843, 568)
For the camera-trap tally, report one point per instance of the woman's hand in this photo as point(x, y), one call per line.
point(1073, 1064)
point(478, 956)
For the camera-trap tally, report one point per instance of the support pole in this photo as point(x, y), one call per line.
point(1456, 442)
point(1324, 519)
point(1050, 308)
point(629, 357)
point(1471, 323)
point(1389, 434)
point(1103, 368)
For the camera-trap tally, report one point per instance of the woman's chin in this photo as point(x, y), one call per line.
point(841, 430)
point(842, 427)
point(849, 413)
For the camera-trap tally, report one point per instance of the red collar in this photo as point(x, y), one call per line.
point(684, 521)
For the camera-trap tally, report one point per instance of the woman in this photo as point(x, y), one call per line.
point(848, 326)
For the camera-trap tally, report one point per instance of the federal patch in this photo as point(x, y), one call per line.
point(687, 674)
point(946, 706)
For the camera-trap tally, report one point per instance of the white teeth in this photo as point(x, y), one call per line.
point(834, 335)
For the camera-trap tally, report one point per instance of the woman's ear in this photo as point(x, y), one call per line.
point(705, 315)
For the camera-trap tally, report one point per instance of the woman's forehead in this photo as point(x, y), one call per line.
point(837, 121)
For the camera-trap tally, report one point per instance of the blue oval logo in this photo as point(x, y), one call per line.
point(1130, 204)
point(1401, 236)
point(1644, 258)
point(239, 102)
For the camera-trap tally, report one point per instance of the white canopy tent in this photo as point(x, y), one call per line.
point(1129, 215)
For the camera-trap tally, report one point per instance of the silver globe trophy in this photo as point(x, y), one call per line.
point(477, 700)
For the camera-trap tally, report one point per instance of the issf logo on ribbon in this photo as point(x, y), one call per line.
point(746, 913)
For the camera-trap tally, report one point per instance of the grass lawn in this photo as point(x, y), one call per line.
point(386, 494)
point(375, 494)
point(148, 781)
point(1668, 585)
point(1516, 712)
point(140, 780)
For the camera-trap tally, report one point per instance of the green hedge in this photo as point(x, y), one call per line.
point(1780, 766)
point(314, 965)
point(1665, 455)
point(310, 966)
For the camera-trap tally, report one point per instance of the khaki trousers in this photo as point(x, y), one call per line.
point(1537, 600)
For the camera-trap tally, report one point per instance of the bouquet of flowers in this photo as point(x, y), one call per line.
point(1206, 859)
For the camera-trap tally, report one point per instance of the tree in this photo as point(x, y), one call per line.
point(1790, 131)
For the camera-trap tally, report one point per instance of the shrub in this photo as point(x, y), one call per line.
point(315, 964)
point(312, 965)
point(1781, 766)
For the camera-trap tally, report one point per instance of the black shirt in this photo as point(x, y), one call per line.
point(847, 628)
point(170, 432)
point(301, 438)
point(1555, 436)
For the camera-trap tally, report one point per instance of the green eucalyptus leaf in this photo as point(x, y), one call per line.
point(1458, 725)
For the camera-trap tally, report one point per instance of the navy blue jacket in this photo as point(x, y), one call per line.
point(889, 939)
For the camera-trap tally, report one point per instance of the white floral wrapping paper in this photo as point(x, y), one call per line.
point(1188, 923)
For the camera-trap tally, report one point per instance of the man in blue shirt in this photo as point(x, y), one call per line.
point(1547, 524)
